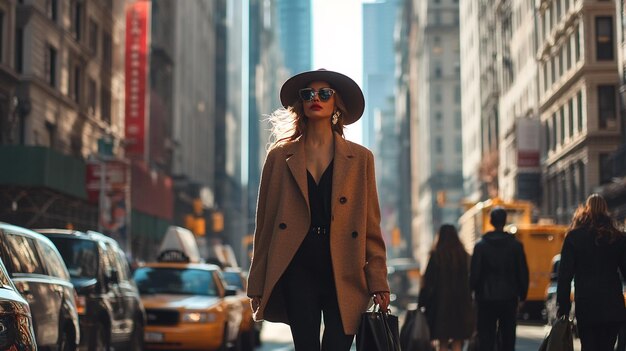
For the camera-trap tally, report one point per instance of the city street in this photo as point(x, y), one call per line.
point(277, 337)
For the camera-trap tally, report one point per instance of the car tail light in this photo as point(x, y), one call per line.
point(81, 303)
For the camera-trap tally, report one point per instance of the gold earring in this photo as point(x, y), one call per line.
point(336, 116)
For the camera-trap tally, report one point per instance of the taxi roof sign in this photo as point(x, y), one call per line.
point(182, 240)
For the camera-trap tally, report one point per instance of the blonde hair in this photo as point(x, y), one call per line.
point(288, 124)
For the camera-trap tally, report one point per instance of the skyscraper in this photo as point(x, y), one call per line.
point(295, 33)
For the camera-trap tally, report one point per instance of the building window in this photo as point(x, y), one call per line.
point(458, 122)
point(577, 44)
point(581, 182)
point(438, 145)
point(606, 106)
point(107, 51)
point(553, 132)
point(438, 119)
point(91, 99)
point(19, 50)
point(75, 87)
point(438, 73)
point(605, 168)
point(604, 38)
point(2, 31)
point(105, 105)
point(52, 10)
point(570, 120)
point(581, 118)
point(93, 36)
point(77, 10)
point(459, 145)
point(562, 126)
point(437, 94)
point(51, 65)
point(457, 94)
point(51, 131)
point(573, 186)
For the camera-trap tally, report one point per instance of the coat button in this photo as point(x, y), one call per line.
point(282, 226)
point(343, 200)
point(355, 234)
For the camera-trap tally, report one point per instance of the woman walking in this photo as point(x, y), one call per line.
point(593, 255)
point(445, 292)
point(318, 246)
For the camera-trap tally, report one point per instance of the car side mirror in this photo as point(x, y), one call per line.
point(230, 292)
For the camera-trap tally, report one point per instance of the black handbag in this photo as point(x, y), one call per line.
point(415, 333)
point(561, 336)
point(378, 331)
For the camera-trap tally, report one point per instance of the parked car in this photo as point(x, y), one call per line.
point(249, 332)
point(39, 274)
point(186, 305)
point(110, 309)
point(550, 310)
point(16, 323)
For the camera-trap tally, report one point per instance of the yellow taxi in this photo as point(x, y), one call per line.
point(188, 305)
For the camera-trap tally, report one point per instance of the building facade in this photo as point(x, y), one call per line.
point(67, 57)
point(519, 171)
point(471, 108)
point(578, 99)
point(295, 32)
point(439, 144)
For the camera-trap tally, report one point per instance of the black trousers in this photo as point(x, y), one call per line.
point(496, 319)
point(598, 337)
point(309, 291)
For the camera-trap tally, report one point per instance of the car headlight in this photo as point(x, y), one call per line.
point(199, 317)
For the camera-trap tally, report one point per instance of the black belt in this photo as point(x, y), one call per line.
point(320, 230)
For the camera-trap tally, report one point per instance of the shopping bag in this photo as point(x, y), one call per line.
point(560, 337)
point(415, 333)
point(378, 331)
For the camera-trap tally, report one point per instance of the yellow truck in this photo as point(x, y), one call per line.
point(541, 240)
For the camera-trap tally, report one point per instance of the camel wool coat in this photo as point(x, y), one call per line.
point(283, 220)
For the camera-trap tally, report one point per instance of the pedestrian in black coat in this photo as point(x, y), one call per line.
point(499, 280)
point(593, 255)
point(445, 292)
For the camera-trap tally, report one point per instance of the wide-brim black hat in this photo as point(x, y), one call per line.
point(350, 92)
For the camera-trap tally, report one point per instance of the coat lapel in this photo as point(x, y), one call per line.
point(296, 161)
point(341, 166)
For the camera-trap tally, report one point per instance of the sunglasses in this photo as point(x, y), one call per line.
point(324, 94)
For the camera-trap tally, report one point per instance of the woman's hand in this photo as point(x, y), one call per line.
point(255, 302)
point(382, 299)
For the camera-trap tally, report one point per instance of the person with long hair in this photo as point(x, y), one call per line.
point(445, 292)
point(318, 247)
point(593, 255)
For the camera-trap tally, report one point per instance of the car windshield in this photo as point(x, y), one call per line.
point(80, 256)
point(175, 281)
point(233, 279)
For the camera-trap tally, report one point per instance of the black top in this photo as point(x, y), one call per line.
point(594, 265)
point(499, 270)
point(320, 197)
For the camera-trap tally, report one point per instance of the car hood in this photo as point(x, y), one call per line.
point(178, 301)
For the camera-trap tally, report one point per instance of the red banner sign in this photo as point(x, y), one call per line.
point(137, 51)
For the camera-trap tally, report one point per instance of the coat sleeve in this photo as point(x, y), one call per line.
point(522, 273)
point(256, 275)
point(476, 268)
point(566, 274)
point(429, 283)
point(375, 251)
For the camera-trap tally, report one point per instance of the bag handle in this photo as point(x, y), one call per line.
point(391, 343)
